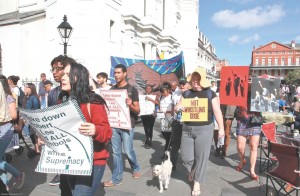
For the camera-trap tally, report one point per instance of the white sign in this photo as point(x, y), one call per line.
point(146, 107)
point(67, 151)
point(118, 112)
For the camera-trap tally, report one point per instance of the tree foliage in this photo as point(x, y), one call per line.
point(293, 77)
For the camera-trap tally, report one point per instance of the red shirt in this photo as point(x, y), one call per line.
point(103, 133)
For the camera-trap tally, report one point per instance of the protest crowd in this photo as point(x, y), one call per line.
point(185, 137)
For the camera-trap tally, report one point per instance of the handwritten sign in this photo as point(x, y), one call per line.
point(195, 110)
point(118, 112)
point(67, 151)
point(147, 107)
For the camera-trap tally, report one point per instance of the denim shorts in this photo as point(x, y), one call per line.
point(243, 130)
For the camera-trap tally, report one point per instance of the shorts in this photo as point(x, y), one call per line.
point(247, 131)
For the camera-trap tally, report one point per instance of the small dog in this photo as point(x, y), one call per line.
point(163, 172)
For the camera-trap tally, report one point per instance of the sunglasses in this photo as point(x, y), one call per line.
point(43, 76)
point(56, 69)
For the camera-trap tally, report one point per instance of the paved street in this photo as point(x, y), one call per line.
point(221, 177)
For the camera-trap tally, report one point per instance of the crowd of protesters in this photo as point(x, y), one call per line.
point(191, 139)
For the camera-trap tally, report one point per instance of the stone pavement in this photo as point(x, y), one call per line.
point(221, 178)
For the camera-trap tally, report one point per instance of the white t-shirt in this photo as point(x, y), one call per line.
point(176, 95)
point(16, 91)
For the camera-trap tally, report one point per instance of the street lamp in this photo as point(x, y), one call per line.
point(65, 31)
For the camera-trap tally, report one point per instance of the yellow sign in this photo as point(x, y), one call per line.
point(195, 110)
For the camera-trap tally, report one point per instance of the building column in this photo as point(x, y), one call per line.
point(148, 51)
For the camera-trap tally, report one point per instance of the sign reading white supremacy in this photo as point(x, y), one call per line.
point(66, 150)
point(147, 107)
point(118, 112)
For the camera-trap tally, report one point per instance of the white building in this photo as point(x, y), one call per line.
point(101, 28)
point(207, 57)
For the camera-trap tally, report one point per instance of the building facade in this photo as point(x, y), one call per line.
point(275, 59)
point(207, 56)
point(125, 28)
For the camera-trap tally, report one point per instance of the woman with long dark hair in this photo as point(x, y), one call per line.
point(31, 102)
point(149, 119)
point(247, 130)
point(75, 84)
point(6, 134)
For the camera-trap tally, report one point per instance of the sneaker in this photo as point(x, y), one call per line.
point(55, 181)
point(136, 175)
point(17, 182)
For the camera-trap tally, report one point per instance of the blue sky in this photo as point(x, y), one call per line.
point(235, 26)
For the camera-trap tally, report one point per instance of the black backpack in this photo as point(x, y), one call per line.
point(21, 98)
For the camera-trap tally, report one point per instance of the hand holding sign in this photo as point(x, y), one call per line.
point(87, 129)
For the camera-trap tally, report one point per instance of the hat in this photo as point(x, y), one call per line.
point(203, 81)
point(182, 81)
point(46, 82)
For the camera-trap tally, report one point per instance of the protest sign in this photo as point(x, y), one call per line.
point(117, 112)
point(195, 110)
point(146, 107)
point(67, 151)
point(234, 85)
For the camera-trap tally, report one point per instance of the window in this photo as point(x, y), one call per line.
point(297, 61)
point(263, 63)
point(269, 61)
point(276, 61)
point(282, 61)
point(283, 52)
point(289, 61)
point(257, 61)
point(111, 29)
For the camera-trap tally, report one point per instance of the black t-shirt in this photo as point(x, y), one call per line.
point(202, 94)
point(134, 95)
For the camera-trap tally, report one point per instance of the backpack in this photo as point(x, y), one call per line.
point(21, 98)
point(129, 91)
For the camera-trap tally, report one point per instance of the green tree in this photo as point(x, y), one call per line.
point(293, 77)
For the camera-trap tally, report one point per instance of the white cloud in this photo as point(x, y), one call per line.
point(256, 17)
point(297, 38)
point(235, 39)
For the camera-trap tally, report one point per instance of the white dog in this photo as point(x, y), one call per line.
point(163, 172)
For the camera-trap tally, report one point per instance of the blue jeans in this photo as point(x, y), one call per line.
point(86, 185)
point(6, 136)
point(26, 129)
point(124, 136)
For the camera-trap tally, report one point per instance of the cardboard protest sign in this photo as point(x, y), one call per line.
point(141, 72)
point(234, 85)
point(118, 112)
point(146, 107)
point(265, 94)
point(195, 110)
point(66, 151)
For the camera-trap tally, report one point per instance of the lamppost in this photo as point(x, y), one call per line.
point(65, 31)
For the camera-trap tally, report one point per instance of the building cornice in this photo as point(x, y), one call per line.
point(16, 17)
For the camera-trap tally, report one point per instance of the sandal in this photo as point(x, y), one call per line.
point(254, 177)
point(110, 184)
point(239, 168)
point(196, 192)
